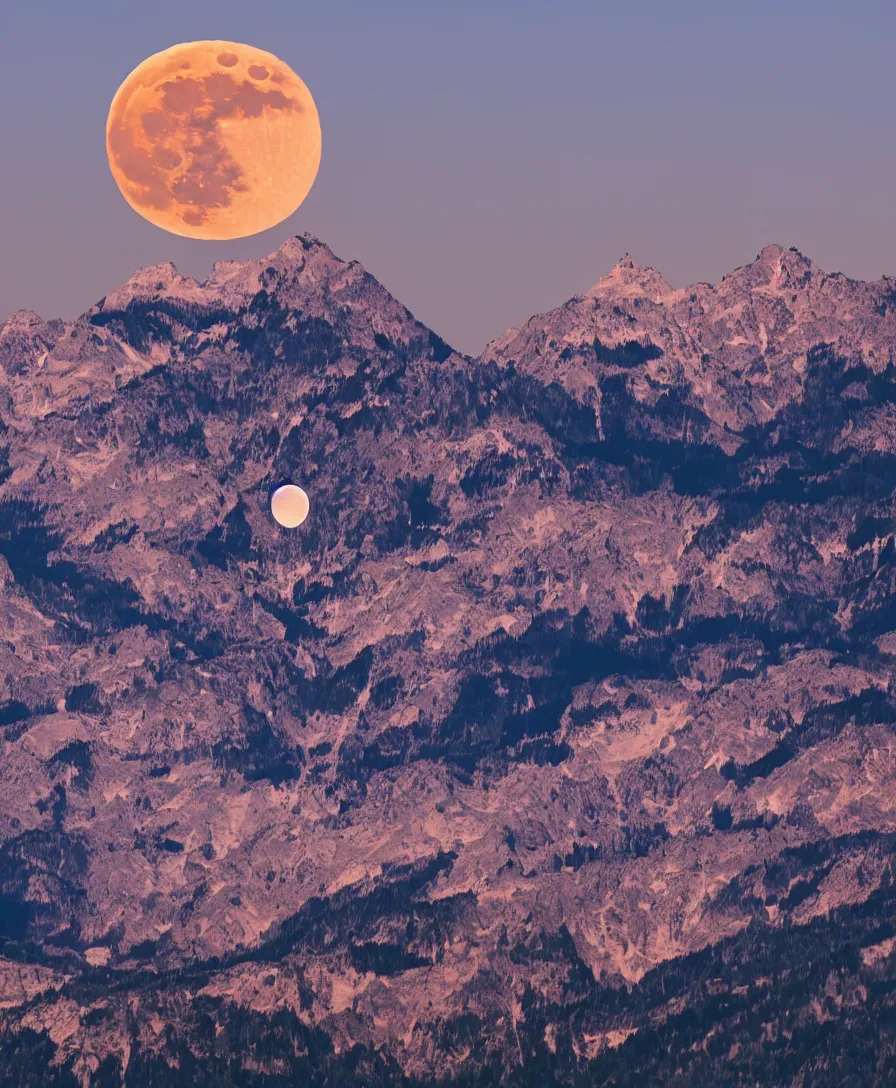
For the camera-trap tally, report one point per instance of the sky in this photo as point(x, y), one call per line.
point(484, 159)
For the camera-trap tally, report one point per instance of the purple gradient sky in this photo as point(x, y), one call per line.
point(483, 159)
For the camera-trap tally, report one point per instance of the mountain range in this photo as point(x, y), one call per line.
point(557, 746)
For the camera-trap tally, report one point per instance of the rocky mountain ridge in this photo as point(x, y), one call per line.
point(575, 686)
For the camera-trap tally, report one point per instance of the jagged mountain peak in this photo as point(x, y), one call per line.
point(305, 244)
point(21, 321)
point(787, 255)
point(302, 259)
point(159, 316)
point(24, 338)
point(740, 344)
point(303, 275)
point(312, 261)
point(154, 281)
point(776, 267)
point(627, 277)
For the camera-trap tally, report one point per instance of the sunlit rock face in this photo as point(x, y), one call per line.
point(559, 733)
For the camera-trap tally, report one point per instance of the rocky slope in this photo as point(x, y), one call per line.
point(558, 742)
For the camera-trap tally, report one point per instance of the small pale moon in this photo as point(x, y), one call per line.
point(213, 140)
point(290, 506)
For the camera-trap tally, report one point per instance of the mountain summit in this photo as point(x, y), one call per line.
point(628, 278)
point(740, 346)
point(560, 736)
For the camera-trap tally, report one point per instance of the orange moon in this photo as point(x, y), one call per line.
point(213, 140)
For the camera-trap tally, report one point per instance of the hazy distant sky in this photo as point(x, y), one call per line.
point(483, 159)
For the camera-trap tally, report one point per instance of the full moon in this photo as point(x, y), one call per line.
point(289, 505)
point(213, 140)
